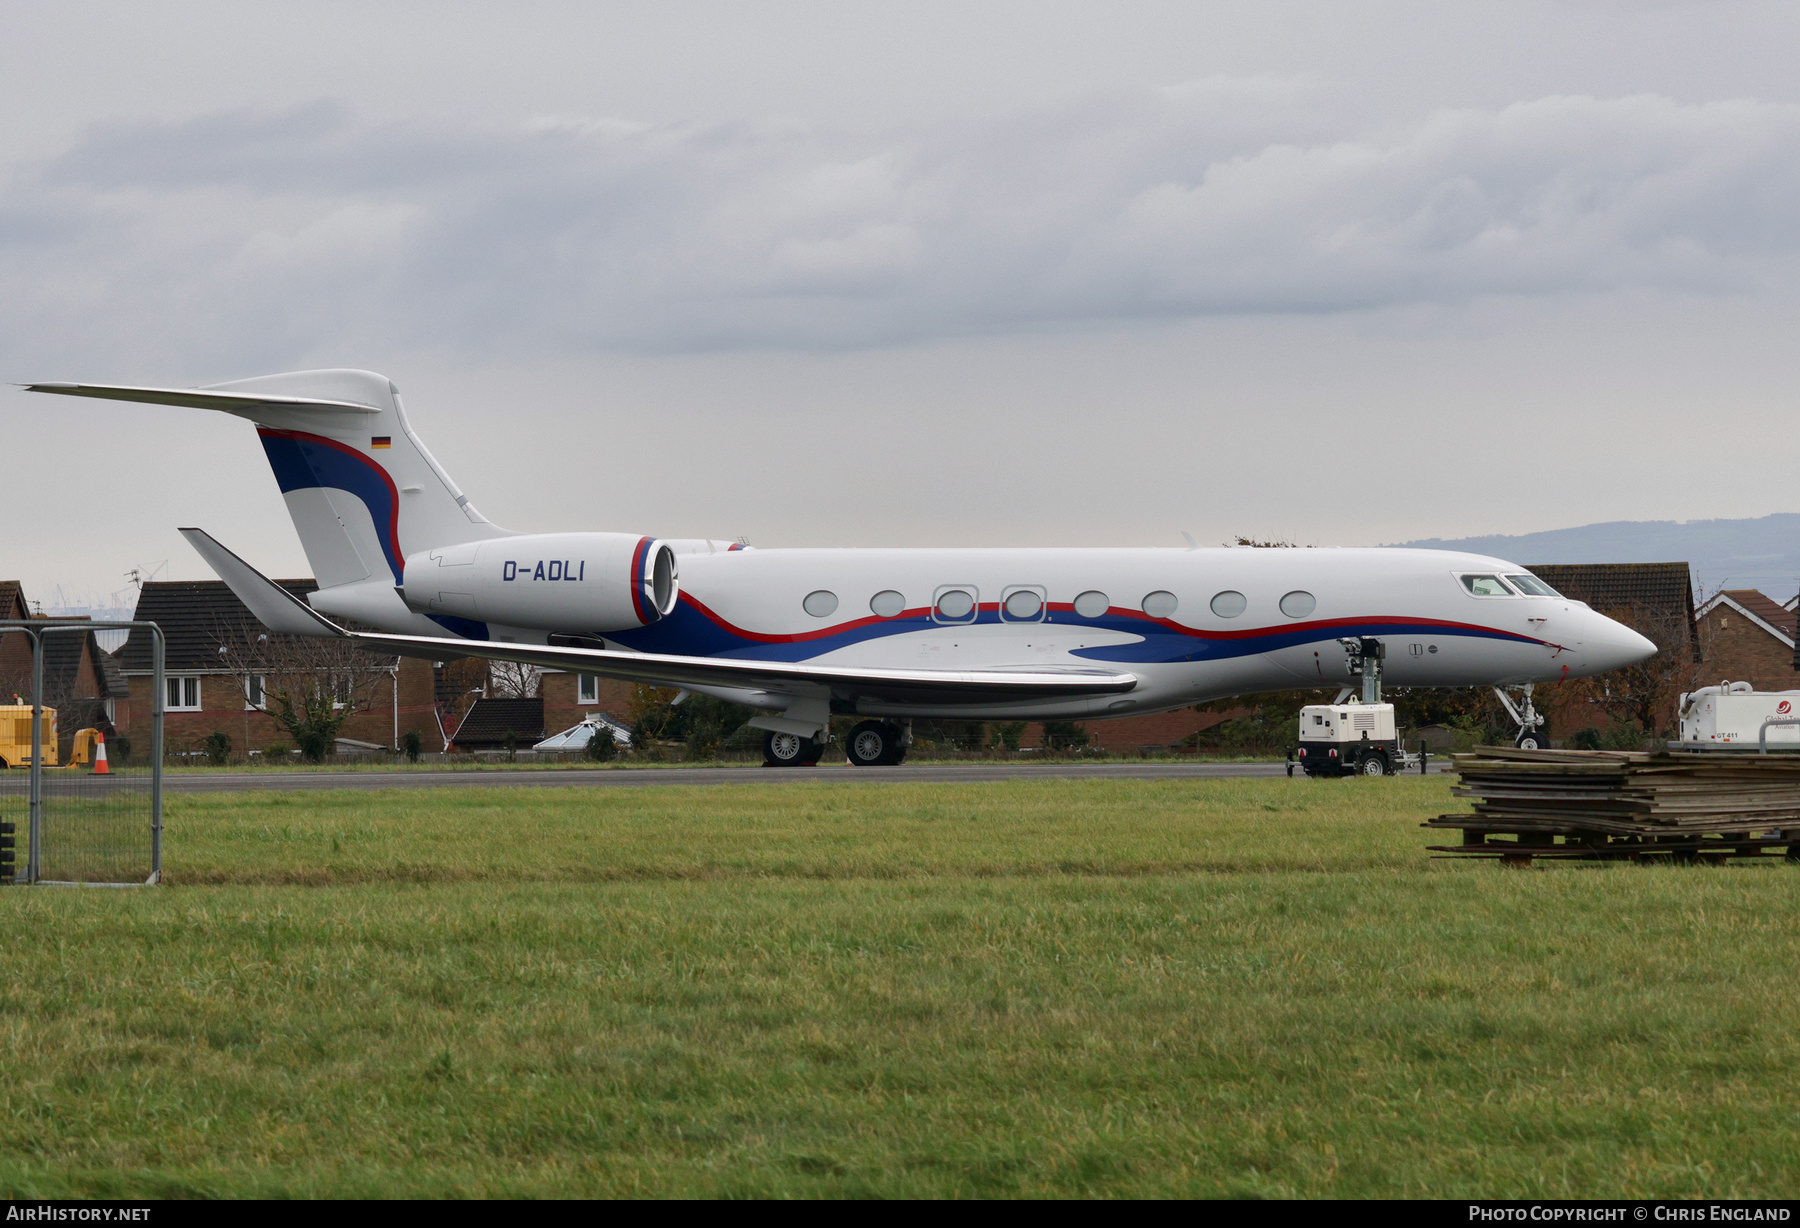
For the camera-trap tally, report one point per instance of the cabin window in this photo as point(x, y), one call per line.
point(886, 604)
point(1531, 586)
point(587, 688)
point(1298, 604)
point(955, 605)
point(253, 692)
point(820, 603)
point(1023, 605)
point(1486, 586)
point(1160, 604)
point(183, 694)
point(1229, 604)
point(1092, 604)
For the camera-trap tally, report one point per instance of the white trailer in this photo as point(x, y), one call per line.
point(1348, 739)
point(1735, 715)
point(1351, 738)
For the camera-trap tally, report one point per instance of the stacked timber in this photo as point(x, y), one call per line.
point(1622, 803)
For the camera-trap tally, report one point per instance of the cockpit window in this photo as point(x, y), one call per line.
point(1486, 586)
point(1531, 586)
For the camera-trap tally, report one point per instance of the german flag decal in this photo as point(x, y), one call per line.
point(381, 441)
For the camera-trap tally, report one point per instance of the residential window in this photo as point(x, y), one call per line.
point(587, 689)
point(253, 692)
point(184, 694)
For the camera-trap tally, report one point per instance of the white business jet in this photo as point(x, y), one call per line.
point(888, 635)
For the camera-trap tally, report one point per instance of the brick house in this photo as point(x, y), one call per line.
point(80, 681)
point(568, 697)
point(1748, 638)
point(210, 690)
point(15, 649)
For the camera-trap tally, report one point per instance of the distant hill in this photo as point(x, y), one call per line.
point(1763, 553)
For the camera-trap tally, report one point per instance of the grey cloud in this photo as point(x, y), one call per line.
point(253, 239)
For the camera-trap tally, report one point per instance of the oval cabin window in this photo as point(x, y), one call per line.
point(886, 604)
point(955, 606)
point(1229, 604)
point(1023, 605)
point(1298, 604)
point(1160, 604)
point(1092, 604)
point(820, 604)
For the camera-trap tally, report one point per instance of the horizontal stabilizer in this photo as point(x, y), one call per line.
point(243, 404)
point(274, 607)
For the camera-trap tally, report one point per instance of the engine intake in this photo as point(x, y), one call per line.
point(564, 582)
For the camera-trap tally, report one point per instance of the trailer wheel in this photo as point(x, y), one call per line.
point(1374, 764)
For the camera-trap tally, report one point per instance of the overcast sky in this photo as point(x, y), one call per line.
point(928, 274)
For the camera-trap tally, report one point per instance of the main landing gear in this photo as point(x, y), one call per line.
point(791, 750)
point(876, 744)
point(870, 744)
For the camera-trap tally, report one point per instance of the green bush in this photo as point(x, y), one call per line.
point(601, 748)
point(410, 745)
point(277, 750)
point(218, 748)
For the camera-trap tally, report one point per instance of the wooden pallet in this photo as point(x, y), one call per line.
point(1595, 805)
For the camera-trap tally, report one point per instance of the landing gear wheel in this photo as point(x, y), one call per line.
point(790, 750)
point(1532, 739)
point(1373, 765)
point(874, 744)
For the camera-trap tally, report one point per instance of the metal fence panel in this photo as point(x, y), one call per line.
point(79, 827)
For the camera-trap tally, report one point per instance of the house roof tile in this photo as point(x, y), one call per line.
point(193, 615)
point(489, 721)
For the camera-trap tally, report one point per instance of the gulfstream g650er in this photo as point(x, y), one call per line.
point(883, 634)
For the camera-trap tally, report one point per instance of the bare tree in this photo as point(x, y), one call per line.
point(512, 680)
point(308, 686)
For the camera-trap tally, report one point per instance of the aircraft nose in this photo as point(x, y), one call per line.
point(1613, 645)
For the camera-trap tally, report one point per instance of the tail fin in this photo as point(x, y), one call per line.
point(362, 490)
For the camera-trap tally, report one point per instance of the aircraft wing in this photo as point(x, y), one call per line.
point(281, 611)
point(243, 404)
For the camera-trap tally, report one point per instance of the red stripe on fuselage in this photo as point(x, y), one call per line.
point(801, 637)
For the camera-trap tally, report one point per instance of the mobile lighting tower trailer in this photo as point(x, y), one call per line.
point(1357, 738)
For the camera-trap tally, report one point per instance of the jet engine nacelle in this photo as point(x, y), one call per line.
point(568, 582)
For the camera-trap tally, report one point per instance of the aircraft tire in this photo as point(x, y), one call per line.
point(789, 749)
point(1535, 740)
point(872, 744)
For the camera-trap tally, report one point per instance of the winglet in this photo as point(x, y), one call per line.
point(274, 607)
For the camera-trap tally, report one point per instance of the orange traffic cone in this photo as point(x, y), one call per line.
point(100, 768)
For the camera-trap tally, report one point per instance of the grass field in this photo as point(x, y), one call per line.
point(1258, 987)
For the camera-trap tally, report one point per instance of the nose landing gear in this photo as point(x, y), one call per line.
point(1534, 729)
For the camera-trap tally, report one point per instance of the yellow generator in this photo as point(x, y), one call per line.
point(15, 739)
